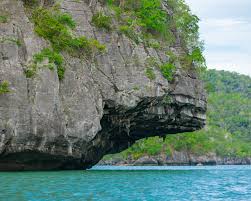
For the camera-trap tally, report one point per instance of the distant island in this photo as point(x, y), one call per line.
point(225, 140)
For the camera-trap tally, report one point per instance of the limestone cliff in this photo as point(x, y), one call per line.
point(101, 105)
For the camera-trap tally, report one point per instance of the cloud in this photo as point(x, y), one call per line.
point(220, 8)
point(224, 23)
point(227, 31)
point(226, 28)
point(230, 61)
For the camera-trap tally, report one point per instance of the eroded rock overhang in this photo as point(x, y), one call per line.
point(100, 107)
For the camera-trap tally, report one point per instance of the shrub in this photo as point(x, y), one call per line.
point(4, 87)
point(168, 70)
point(148, 12)
point(152, 16)
point(66, 19)
point(54, 59)
point(146, 21)
point(31, 3)
point(3, 18)
point(150, 73)
point(152, 62)
point(154, 44)
point(101, 20)
point(31, 70)
point(144, 16)
point(194, 59)
point(150, 146)
point(130, 33)
point(187, 25)
point(172, 56)
point(56, 27)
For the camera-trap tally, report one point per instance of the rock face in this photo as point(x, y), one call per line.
point(178, 159)
point(99, 107)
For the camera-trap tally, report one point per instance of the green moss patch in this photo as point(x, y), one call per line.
point(4, 87)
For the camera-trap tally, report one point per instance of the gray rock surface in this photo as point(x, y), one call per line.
point(177, 159)
point(146, 160)
point(99, 107)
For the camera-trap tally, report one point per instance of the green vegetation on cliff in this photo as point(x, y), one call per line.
point(158, 24)
point(11, 40)
point(58, 28)
point(4, 87)
point(228, 130)
point(161, 25)
point(100, 20)
point(3, 18)
point(54, 60)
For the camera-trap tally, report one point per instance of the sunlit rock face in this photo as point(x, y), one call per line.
point(100, 106)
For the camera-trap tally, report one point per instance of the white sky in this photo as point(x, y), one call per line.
point(226, 29)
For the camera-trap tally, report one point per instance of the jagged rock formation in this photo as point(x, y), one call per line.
point(99, 107)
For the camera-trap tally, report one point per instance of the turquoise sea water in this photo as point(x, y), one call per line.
point(130, 184)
